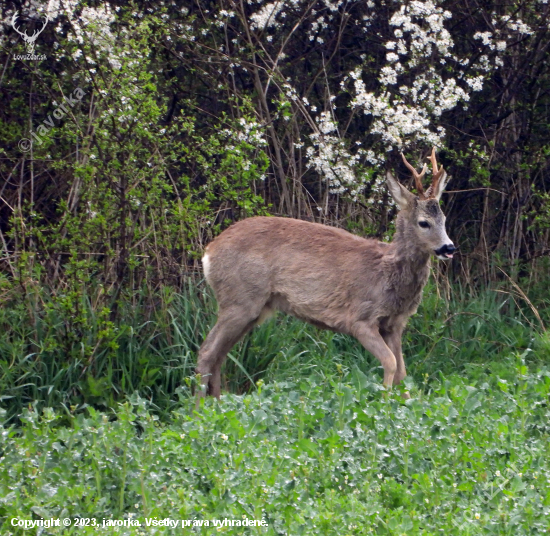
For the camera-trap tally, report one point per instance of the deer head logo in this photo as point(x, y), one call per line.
point(28, 39)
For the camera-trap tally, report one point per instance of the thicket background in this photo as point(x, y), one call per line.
point(192, 115)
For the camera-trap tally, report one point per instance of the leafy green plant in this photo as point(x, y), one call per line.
point(78, 355)
point(468, 456)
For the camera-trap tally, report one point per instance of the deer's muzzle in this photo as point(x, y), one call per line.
point(446, 251)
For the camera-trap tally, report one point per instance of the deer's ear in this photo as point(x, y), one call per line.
point(400, 194)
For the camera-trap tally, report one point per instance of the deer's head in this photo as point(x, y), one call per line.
point(421, 219)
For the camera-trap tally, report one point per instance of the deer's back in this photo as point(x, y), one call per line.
point(319, 273)
point(285, 244)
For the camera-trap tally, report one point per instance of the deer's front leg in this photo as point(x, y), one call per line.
point(369, 336)
point(393, 340)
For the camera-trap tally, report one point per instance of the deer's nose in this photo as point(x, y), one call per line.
point(446, 251)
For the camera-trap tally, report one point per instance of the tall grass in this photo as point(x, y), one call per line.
point(154, 352)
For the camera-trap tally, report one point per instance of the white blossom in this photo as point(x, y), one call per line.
point(485, 37)
point(329, 156)
point(266, 16)
point(475, 83)
point(248, 131)
point(408, 114)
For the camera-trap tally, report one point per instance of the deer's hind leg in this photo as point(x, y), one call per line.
point(232, 324)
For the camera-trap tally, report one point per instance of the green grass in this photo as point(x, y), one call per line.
point(54, 356)
point(337, 457)
point(102, 426)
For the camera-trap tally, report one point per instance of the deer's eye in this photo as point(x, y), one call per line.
point(424, 224)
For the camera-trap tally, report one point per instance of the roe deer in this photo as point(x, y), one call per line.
point(326, 276)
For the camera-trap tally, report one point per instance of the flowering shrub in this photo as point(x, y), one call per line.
point(195, 117)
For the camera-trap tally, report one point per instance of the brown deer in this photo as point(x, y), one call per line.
point(326, 276)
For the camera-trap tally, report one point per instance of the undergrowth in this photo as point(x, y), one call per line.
point(304, 438)
point(46, 361)
point(466, 456)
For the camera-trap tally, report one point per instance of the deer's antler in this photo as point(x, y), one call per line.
point(417, 177)
point(438, 173)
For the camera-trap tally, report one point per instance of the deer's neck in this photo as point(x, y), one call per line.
point(411, 264)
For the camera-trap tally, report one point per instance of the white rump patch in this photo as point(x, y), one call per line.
point(206, 265)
